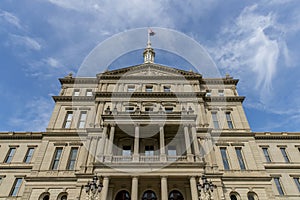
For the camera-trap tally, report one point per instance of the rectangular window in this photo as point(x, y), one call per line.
point(229, 121)
point(10, 154)
point(28, 155)
point(240, 158)
point(126, 151)
point(297, 182)
point(16, 187)
point(149, 88)
point(130, 88)
point(221, 93)
point(278, 186)
point(283, 152)
point(208, 93)
point(169, 109)
point(266, 154)
point(89, 92)
point(56, 158)
point(149, 150)
point(68, 119)
point(224, 158)
point(129, 109)
point(76, 92)
point(82, 119)
point(215, 120)
point(167, 89)
point(72, 158)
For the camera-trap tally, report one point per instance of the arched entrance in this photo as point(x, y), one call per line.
point(175, 195)
point(149, 195)
point(123, 195)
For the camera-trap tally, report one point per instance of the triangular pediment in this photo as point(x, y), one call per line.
point(149, 70)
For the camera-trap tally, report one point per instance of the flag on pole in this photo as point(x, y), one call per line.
point(151, 33)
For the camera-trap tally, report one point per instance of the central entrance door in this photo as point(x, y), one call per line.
point(123, 195)
point(149, 195)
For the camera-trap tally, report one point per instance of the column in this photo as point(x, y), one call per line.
point(110, 143)
point(102, 144)
point(194, 191)
point(164, 188)
point(136, 143)
point(188, 143)
point(104, 191)
point(195, 143)
point(163, 157)
point(134, 188)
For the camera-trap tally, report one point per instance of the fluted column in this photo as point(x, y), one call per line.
point(134, 188)
point(136, 143)
point(188, 143)
point(102, 144)
point(104, 191)
point(111, 142)
point(195, 143)
point(164, 188)
point(162, 144)
point(194, 191)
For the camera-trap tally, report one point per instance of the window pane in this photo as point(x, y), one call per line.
point(167, 89)
point(240, 158)
point(297, 183)
point(266, 153)
point(89, 93)
point(229, 121)
point(149, 150)
point(221, 93)
point(76, 92)
point(149, 88)
point(283, 152)
point(130, 88)
point(72, 158)
point(56, 158)
point(233, 197)
point(29, 155)
point(215, 120)
point(278, 186)
point(82, 119)
point(169, 109)
point(68, 119)
point(224, 158)
point(208, 93)
point(10, 155)
point(16, 187)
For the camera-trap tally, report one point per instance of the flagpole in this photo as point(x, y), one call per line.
point(149, 42)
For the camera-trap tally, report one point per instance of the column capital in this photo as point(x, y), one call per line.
point(112, 124)
point(137, 124)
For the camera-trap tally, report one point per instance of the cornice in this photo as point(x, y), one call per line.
point(73, 98)
point(117, 77)
point(220, 81)
point(277, 136)
point(225, 99)
point(21, 135)
point(150, 94)
point(79, 80)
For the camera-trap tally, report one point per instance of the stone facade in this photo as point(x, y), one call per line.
point(149, 130)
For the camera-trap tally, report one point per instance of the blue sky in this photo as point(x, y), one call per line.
point(255, 41)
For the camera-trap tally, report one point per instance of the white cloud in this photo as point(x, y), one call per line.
point(10, 18)
point(252, 45)
point(26, 41)
point(52, 62)
point(34, 116)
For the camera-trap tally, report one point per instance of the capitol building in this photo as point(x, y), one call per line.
point(149, 132)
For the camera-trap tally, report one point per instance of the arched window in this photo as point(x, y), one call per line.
point(62, 196)
point(123, 195)
point(175, 195)
point(149, 195)
point(234, 196)
point(252, 196)
point(44, 196)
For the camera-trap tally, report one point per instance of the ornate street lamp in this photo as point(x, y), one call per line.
point(206, 188)
point(93, 188)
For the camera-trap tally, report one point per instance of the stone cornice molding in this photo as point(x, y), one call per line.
point(73, 98)
point(151, 94)
point(79, 80)
point(219, 81)
point(225, 99)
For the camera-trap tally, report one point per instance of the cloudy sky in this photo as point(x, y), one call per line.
point(257, 42)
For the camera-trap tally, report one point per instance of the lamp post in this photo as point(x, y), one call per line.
point(93, 188)
point(205, 189)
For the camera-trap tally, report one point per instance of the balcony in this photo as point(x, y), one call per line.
point(146, 159)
